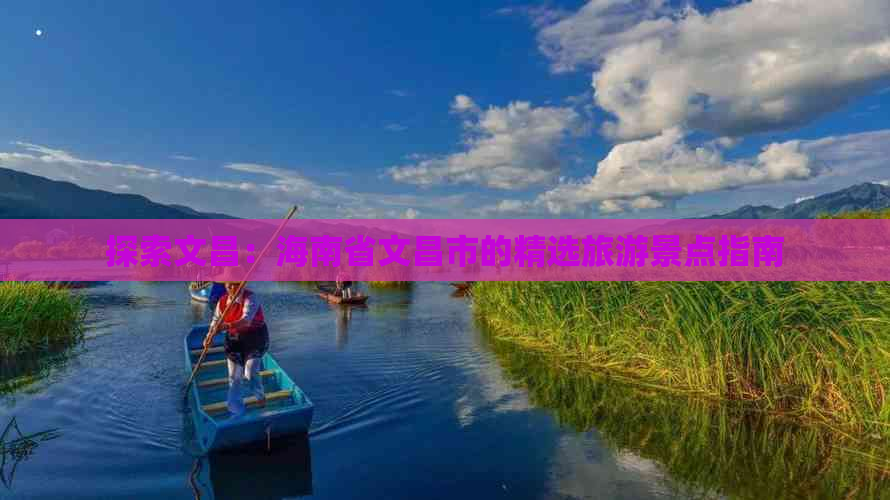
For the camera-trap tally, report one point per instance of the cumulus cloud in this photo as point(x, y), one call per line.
point(641, 174)
point(598, 27)
point(268, 192)
point(656, 173)
point(754, 66)
point(513, 147)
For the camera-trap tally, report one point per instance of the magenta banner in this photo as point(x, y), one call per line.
point(445, 250)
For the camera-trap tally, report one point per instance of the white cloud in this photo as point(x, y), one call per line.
point(183, 157)
point(754, 66)
point(610, 207)
point(646, 203)
point(507, 148)
point(464, 104)
point(803, 198)
point(399, 93)
point(539, 15)
point(395, 127)
point(658, 172)
point(598, 27)
point(410, 214)
point(640, 174)
point(861, 154)
point(269, 195)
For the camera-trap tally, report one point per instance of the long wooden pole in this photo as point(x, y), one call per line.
point(214, 327)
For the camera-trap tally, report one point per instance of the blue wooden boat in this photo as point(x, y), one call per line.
point(288, 410)
point(206, 291)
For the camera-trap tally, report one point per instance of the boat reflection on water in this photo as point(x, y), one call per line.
point(343, 315)
point(283, 472)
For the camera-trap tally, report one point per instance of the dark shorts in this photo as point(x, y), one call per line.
point(248, 345)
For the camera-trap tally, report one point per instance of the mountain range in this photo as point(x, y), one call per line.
point(26, 196)
point(865, 196)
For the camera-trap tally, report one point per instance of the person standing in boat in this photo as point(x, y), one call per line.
point(344, 286)
point(247, 340)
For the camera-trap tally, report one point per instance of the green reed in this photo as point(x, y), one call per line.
point(403, 285)
point(707, 450)
point(813, 350)
point(860, 214)
point(34, 316)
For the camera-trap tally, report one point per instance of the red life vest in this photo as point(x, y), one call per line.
point(236, 312)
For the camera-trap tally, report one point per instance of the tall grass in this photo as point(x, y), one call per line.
point(859, 214)
point(707, 450)
point(812, 350)
point(35, 316)
point(401, 285)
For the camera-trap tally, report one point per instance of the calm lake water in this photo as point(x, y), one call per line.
point(412, 400)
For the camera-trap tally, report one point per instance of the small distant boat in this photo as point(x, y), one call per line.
point(337, 299)
point(288, 410)
point(206, 291)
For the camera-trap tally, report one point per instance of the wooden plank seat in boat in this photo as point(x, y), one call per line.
point(212, 364)
point(251, 401)
point(225, 380)
point(212, 350)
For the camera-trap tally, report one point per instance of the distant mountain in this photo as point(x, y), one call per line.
point(200, 215)
point(26, 196)
point(865, 196)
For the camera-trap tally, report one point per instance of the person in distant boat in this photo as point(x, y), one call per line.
point(344, 287)
point(247, 340)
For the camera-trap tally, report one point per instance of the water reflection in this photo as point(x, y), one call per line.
point(283, 472)
point(343, 316)
point(706, 450)
point(199, 311)
point(17, 447)
point(30, 373)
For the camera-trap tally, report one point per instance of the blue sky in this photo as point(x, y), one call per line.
point(453, 109)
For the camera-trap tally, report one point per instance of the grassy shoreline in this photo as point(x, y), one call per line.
point(35, 316)
point(813, 351)
point(700, 445)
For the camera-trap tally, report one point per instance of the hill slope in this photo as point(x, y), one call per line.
point(865, 196)
point(26, 196)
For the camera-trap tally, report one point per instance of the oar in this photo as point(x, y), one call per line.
point(214, 327)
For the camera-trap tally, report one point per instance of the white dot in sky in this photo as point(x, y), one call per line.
point(38, 32)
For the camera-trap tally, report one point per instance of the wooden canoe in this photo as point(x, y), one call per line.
point(288, 410)
point(336, 299)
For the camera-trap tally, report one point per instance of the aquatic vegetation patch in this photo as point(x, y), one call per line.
point(817, 351)
point(707, 449)
point(860, 214)
point(402, 285)
point(34, 316)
